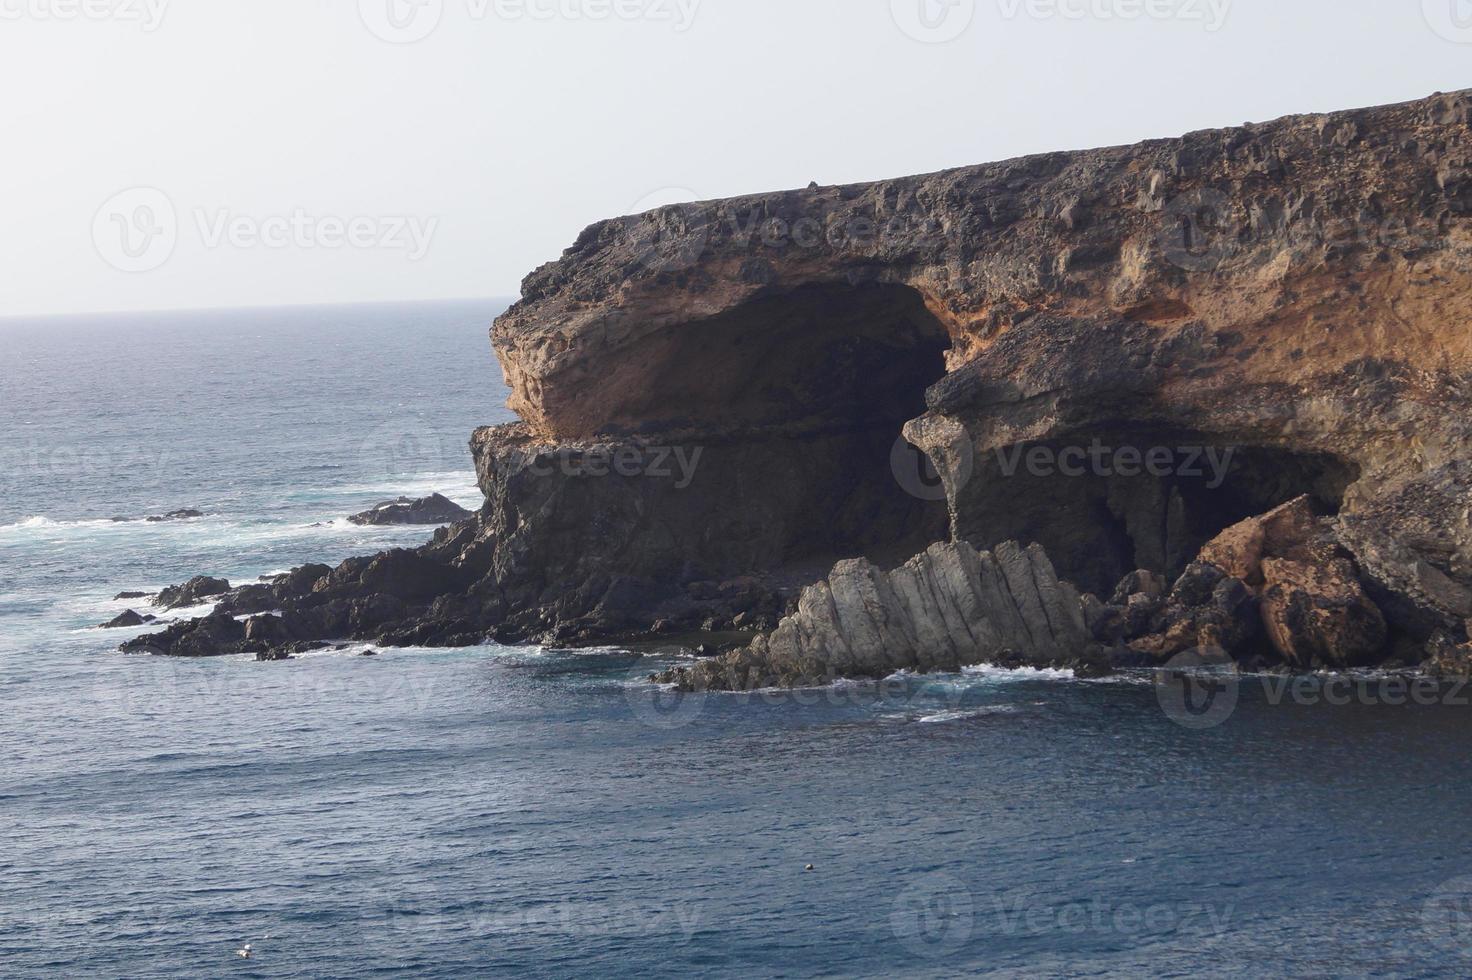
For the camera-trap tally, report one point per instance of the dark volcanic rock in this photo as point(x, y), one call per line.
point(435, 509)
point(127, 619)
point(176, 515)
point(132, 595)
point(192, 593)
point(211, 636)
point(173, 515)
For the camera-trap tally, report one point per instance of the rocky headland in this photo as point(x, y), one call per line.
point(1092, 409)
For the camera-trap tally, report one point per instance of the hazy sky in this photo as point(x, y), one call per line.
point(244, 152)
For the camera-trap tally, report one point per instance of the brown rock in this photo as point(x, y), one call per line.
point(1289, 531)
point(1317, 614)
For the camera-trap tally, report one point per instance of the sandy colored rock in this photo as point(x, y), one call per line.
point(1317, 614)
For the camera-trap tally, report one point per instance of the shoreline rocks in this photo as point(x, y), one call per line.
point(434, 509)
point(947, 608)
point(192, 593)
point(127, 620)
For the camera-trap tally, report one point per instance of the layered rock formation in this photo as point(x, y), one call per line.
point(945, 609)
point(1114, 354)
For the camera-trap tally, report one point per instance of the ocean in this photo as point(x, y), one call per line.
point(515, 811)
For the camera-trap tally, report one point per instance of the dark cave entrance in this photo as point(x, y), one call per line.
point(1101, 520)
point(810, 389)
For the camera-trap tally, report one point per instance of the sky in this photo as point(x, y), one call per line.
point(179, 154)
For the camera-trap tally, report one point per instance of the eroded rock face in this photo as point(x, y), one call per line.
point(1318, 615)
point(945, 609)
point(1115, 354)
point(1294, 293)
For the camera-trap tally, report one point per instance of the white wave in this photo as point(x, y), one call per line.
point(459, 485)
point(42, 522)
point(945, 716)
point(990, 672)
point(350, 649)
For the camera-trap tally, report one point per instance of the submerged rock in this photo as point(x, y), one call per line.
point(434, 509)
point(173, 515)
point(176, 515)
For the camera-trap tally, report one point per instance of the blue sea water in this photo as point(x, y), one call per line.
point(513, 811)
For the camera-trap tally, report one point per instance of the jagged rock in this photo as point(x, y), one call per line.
point(434, 509)
point(1285, 567)
point(132, 595)
point(1448, 658)
point(1289, 531)
point(1140, 582)
point(211, 636)
point(266, 631)
point(1318, 615)
point(192, 593)
point(273, 594)
point(946, 608)
point(127, 619)
point(1206, 609)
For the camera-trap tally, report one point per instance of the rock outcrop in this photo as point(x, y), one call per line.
point(1114, 354)
point(947, 608)
point(192, 593)
point(435, 509)
point(127, 619)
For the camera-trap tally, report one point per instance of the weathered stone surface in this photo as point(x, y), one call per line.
point(945, 609)
point(1286, 568)
point(1206, 610)
point(1317, 615)
point(1288, 531)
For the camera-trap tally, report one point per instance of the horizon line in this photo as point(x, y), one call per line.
point(169, 310)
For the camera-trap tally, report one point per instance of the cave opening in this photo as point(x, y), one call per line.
point(807, 390)
point(1122, 498)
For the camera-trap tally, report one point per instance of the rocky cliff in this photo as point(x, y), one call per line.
point(1115, 355)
